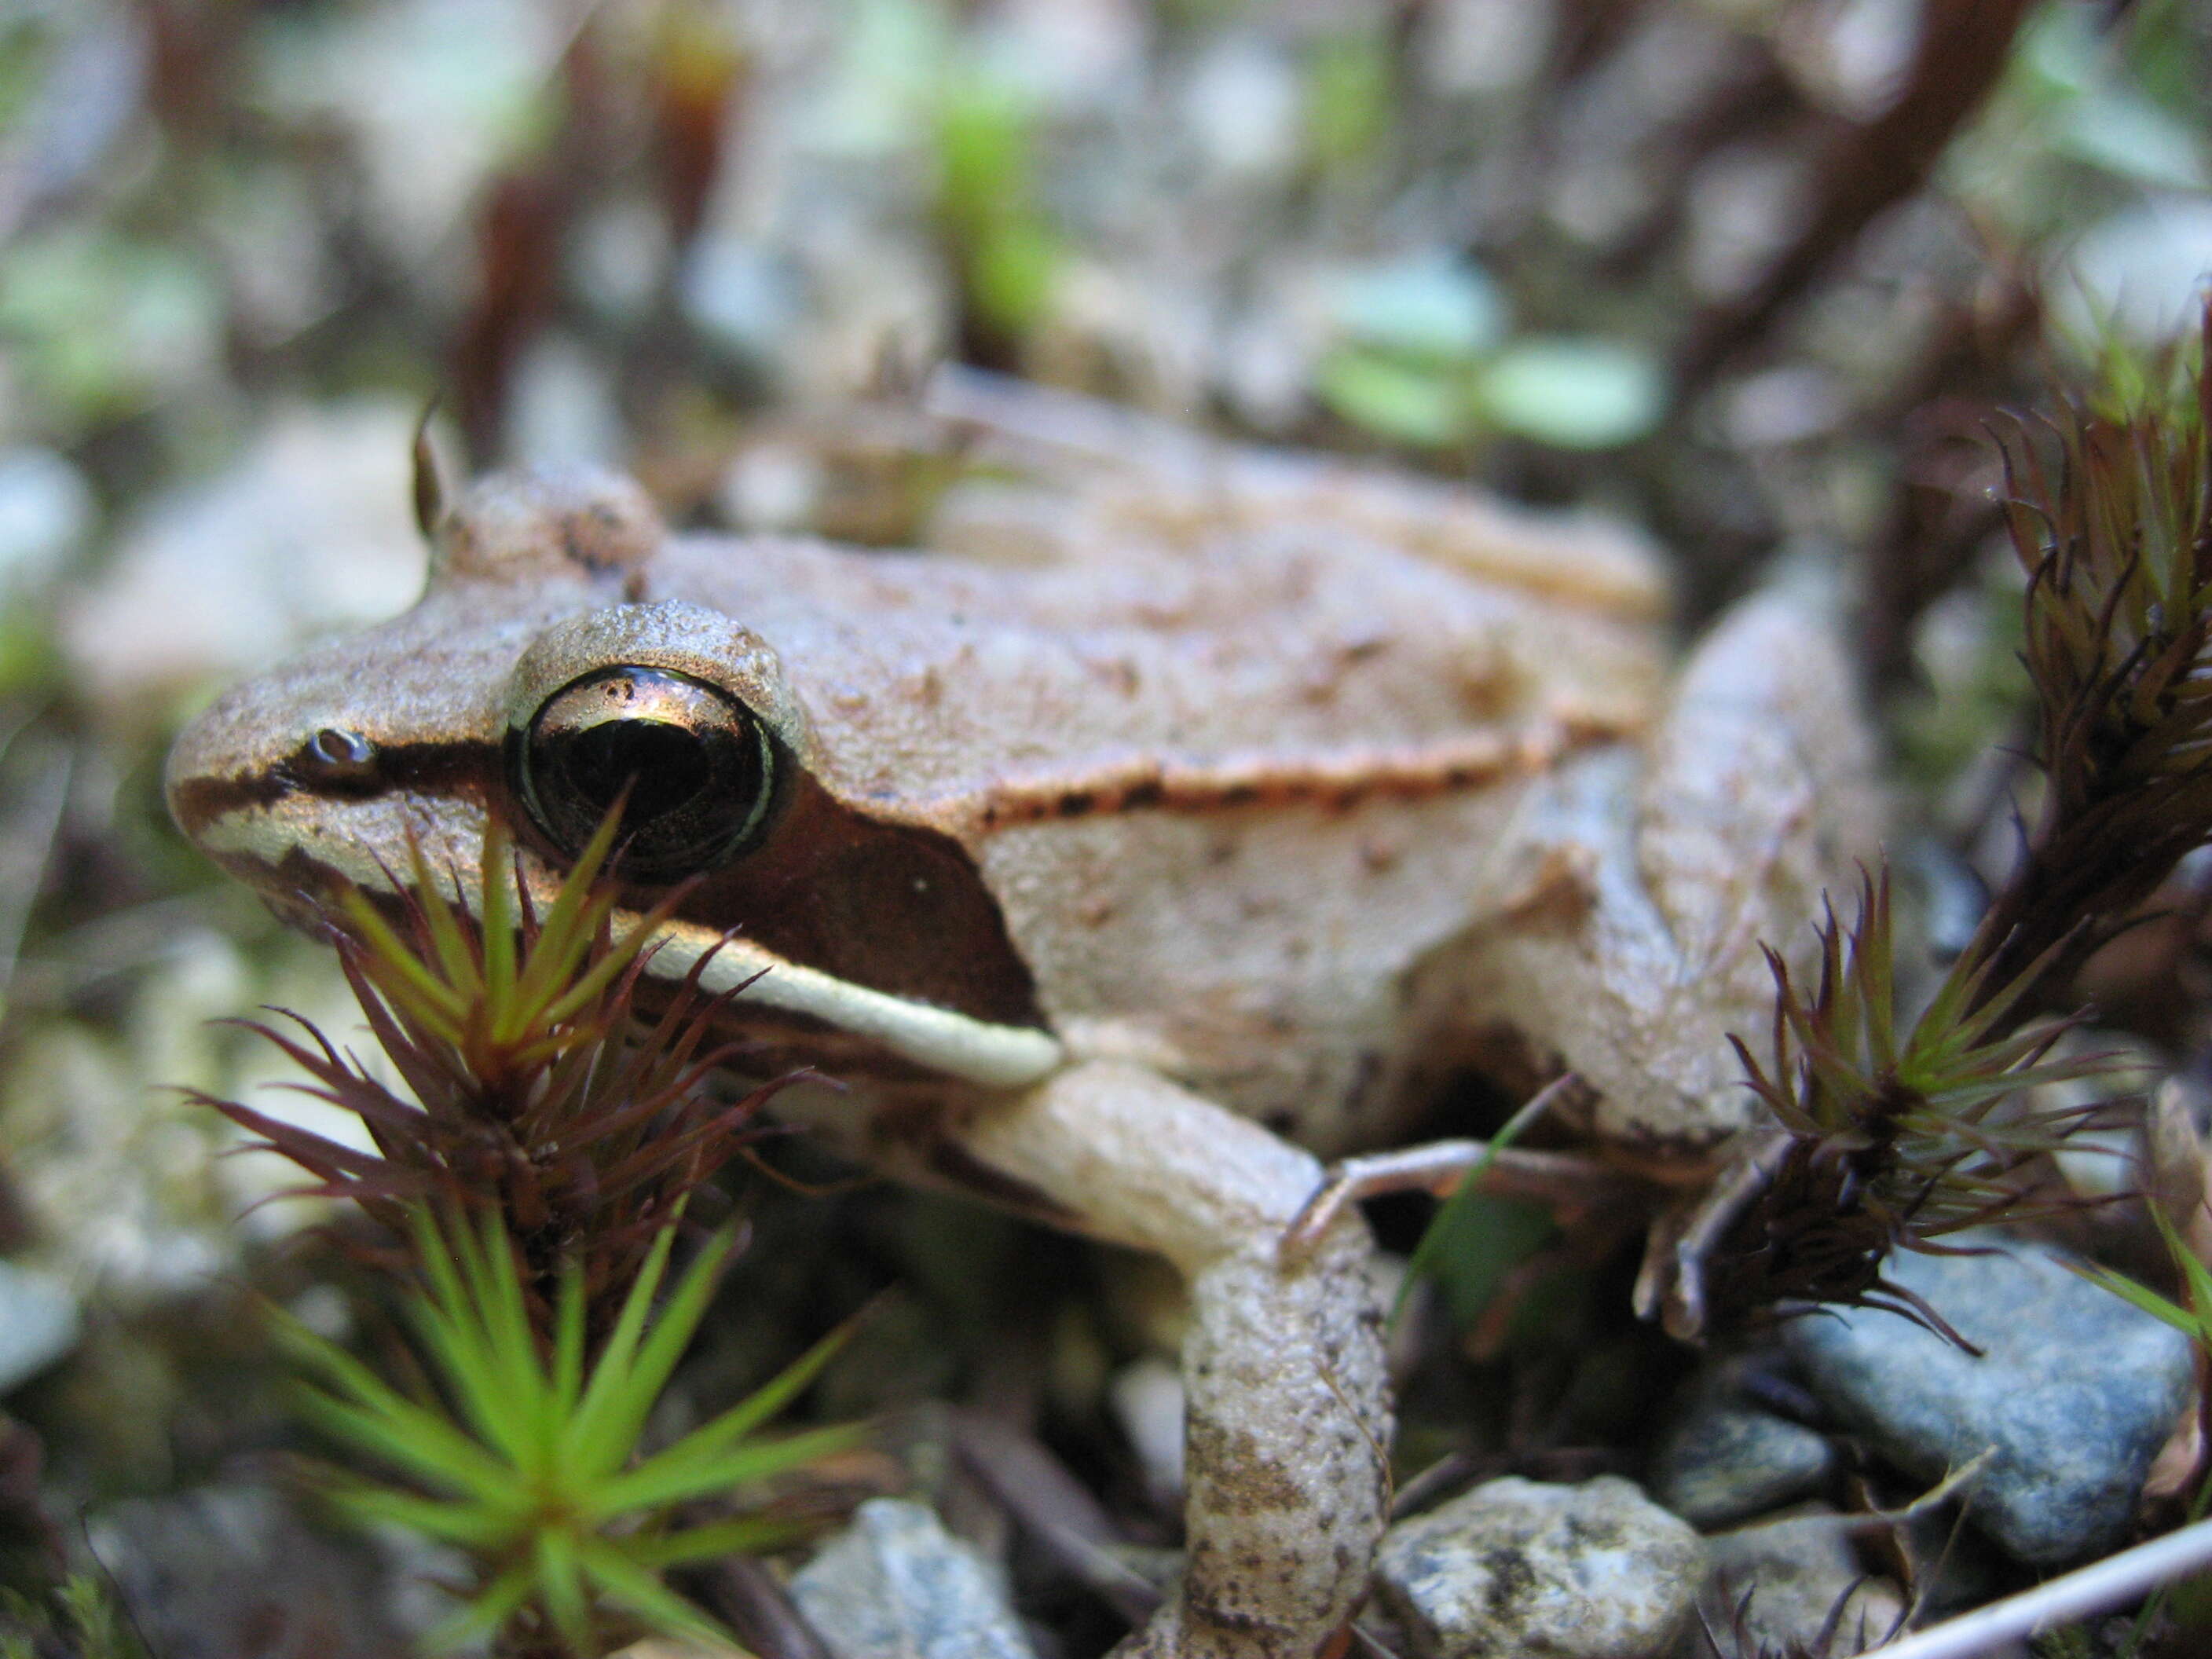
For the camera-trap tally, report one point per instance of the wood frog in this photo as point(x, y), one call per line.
point(1179, 814)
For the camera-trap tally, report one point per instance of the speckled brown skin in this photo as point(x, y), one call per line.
point(1125, 843)
point(1288, 1421)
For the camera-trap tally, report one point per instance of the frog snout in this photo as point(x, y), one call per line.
point(214, 768)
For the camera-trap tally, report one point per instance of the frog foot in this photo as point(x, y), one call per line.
point(1569, 1182)
point(1670, 1285)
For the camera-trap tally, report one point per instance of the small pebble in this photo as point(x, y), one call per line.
point(1240, 104)
point(237, 1569)
point(46, 510)
point(895, 1585)
point(1722, 1459)
point(2076, 1391)
point(1591, 1571)
point(738, 293)
point(2142, 268)
point(1778, 1584)
point(38, 1323)
point(1147, 1398)
point(309, 529)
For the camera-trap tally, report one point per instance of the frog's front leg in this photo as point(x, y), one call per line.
point(1288, 1416)
point(1647, 882)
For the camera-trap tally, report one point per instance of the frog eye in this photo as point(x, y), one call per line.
point(699, 767)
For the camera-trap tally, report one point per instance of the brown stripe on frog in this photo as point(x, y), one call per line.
point(442, 768)
point(195, 803)
point(1337, 783)
point(895, 907)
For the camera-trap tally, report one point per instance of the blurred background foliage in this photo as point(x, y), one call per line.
point(1754, 273)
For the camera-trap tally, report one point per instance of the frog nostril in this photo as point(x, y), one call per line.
point(336, 756)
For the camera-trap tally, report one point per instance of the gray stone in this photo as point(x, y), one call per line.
point(1722, 1460)
point(2142, 267)
point(308, 530)
point(222, 1570)
point(1953, 1569)
point(2075, 1393)
point(1779, 1583)
point(895, 1585)
point(38, 1323)
point(1513, 1568)
point(1147, 1398)
point(46, 510)
point(739, 295)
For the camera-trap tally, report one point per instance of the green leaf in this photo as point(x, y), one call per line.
point(565, 931)
point(2142, 1296)
point(2194, 1271)
point(568, 1342)
point(459, 1524)
point(1573, 393)
point(595, 1438)
point(678, 1319)
point(675, 1474)
point(1407, 403)
point(395, 960)
point(1015, 268)
point(1492, 1240)
point(493, 1605)
point(467, 1356)
point(560, 1589)
point(632, 1586)
point(986, 143)
point(380, 1419)
point(772, 1395)
point(411, 1438)
point(523, 1421)
point(1473, 1241)
point(1348, 92)
point(449, 941)
point(747, 1537)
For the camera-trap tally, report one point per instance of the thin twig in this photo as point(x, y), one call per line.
point(757, 1606)
point(1441, 1167)
point(2098, 1587)
point(1056, 1511)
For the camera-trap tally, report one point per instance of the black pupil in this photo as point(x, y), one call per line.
point(692, 758)
point(663, 765)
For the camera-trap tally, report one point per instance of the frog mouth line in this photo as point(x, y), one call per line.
point(982, 1052)
point(994, 1056)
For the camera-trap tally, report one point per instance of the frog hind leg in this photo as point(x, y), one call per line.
point(1286, 1399)
point(1647, 880)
